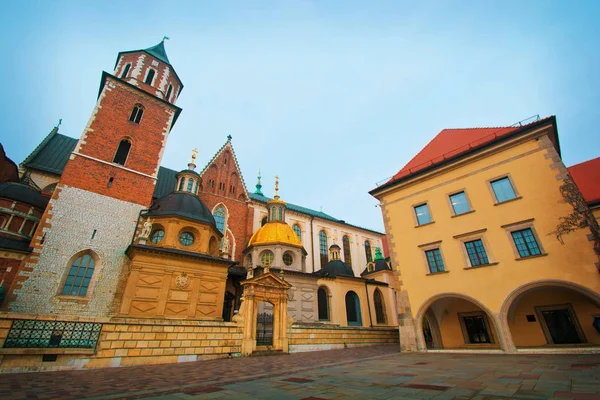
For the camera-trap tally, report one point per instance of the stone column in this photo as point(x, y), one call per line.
point(283, 320)
point(503, 331)
point(249, 335)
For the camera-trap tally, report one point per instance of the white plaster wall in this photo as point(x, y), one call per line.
point(74, 216)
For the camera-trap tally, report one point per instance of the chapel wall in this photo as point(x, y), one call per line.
point(318, 337)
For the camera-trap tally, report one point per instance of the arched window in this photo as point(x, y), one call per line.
point(181, 183)
point(219, 215)
point(280, 213)
point(298, 231)
point(136, 113)
point(346, 245)
point(323, 247)
point(150, 77)
point(169, 90)
point(273, 214)
point(323, 300)
point(353, 309)
point(368, 251)
point(263, 222)
point(126, 71)
point(267, 258)
point(79, 277)
point(122, 152)
point(379, 308)
point(190, 185)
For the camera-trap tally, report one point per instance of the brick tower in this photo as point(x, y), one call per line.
point(78, 261)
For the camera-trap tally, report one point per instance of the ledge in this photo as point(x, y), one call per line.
point(437, 273)
point(465, 213)
point(529, 257)
point(482, 266)
point(508, 201)
point(54, 350)
point(425, 224)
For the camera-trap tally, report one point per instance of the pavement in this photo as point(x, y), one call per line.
point(378, 372)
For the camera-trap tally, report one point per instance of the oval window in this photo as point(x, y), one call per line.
point(186, 238)
point(288, 259)
point(157, 236)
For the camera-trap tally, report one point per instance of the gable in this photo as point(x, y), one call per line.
point(222, 175)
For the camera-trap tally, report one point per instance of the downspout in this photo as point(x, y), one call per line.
point(312, 243)
point(368, 303)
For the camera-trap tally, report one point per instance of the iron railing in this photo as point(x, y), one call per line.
point(50, 334)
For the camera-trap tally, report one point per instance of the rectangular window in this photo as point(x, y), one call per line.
point(476, 329)
point(503, 189)
point(459, 202)
point(422, 213)
point(476, 252)
point(526, 243)
point(434, 260)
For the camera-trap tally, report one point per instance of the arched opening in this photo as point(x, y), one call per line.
point(137, 112)
point(169, 90)
point(323, 302)
point(228, 306)
point(353, 315)
point(346, 245)
point(379, 307)
point(79, 276)
point(263, 221)
point(150, 76)
point(452, 321)
point(552, 313)
point(122, 152)
point(264, 324)
point(126, 71)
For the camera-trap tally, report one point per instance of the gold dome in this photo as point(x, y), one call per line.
point(275, 232)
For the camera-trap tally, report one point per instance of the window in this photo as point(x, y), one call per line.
point(219, 215)
point(267, 259)
point(323, 247)
point(422, 213)
point(169, 90)
point(368, 252)
point(476, 253)
point(379, 309)
point(346, 245)
point(434, 260)
point(526, 244)
point(181, 183)
point(459, 202)
point(149, 77)
point(263, 221)
point(503, 189)
point(475, 328)
point(157, 236)
point(79, 277)
point(190, 185)
point(126, 71)
point(122, 152)
point(186, 239)
point(353, 309)
point(280, 213)
point(136, 114)
point(323, 300)
point(298, 231)
point(288, 259)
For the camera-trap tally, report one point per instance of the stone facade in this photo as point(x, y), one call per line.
point(318, 337)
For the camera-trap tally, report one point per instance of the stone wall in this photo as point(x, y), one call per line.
point(128, 341)
point(323, 337)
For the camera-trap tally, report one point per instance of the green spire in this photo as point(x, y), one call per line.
point(378, 255)
point(258, 185)
point(159, 52)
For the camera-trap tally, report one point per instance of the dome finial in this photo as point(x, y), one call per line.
point(192, 164)
point(164, 38)
point(258, 184)
point(276, 187)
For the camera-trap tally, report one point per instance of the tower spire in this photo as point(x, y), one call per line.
point(258, 185)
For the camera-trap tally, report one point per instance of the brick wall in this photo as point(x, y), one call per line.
point(321, 337)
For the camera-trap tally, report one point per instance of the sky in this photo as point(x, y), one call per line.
point(332, 96)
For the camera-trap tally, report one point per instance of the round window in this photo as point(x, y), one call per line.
point(288, 259)
point(157, 236)
point(266, 258)
point(186, 239)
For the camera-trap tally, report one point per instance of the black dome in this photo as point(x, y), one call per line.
point(184, 205)
point(380, 265)
point(336, 268)
point(23, 194)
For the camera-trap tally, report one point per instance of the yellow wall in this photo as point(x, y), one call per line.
point(530, 334)
point(173, 227)
point(528, 161)
point(451, 331)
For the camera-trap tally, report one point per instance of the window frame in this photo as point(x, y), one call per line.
point(125, 71)
point(430, 247)
point(486, 321)
point(471, 237)
point(519, 226)
point(539, 313)
point(263, 254)
point(416, 218)
point(297, 232)
point(347, 251)
point(323, 257)
point(189, 233)
point(137, 113)
point(77, 298)
point(125, 139)
point(325, 290)
point(468, 200)
point(153, 76)
point(291, 255)
point(512, 184)
point(382, 308)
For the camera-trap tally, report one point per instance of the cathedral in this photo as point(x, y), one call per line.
point(109, 259)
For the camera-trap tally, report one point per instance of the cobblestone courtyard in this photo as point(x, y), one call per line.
point(362, 373)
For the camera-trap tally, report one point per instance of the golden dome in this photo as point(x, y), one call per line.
point(275, 232)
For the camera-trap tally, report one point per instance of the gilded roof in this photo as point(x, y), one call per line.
point(275, 232)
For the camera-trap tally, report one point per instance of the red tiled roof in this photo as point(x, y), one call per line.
point(450, 143)
point(587, 177)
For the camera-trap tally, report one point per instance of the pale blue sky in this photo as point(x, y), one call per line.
point(333, 96)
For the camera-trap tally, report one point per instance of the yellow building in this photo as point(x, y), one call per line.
point(470, 223)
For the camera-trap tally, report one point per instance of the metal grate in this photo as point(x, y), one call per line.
point(49, 334)
point(264, 329)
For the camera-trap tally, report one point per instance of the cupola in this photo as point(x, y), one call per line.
point(276, 207)
point(188, 180)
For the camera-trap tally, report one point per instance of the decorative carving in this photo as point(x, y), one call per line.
point(182, 281)
point(146, 229)
point(226, 246)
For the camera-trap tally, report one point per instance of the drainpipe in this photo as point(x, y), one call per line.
point(368, 303)
point(312, 243)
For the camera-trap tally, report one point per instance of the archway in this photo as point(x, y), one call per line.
point(353, 315)
point(552, 313)
point(455, 321)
